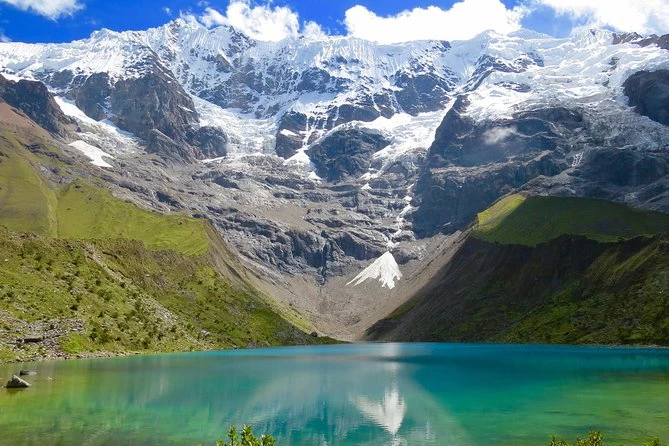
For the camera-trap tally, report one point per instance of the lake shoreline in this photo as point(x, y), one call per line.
point(61, 356)
point(354, 394)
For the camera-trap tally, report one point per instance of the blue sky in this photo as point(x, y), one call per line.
point(381, 20)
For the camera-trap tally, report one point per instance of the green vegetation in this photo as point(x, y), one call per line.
point(529, 221)
point(81, 211)
point(247, 439)
point(523, 278)
point(595, 439)
point(116, 296)
point(26, 202)
point(90, 273)
point(86, 212)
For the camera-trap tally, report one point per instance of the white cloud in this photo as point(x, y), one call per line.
point(259, 22)
point(464, 20)
point(313, 31)
point(167, 10)
point(51, 9)
point(643, 16)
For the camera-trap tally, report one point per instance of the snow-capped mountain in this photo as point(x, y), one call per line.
point(316, 156)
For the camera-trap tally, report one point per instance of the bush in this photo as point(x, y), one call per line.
point(248, 439)
point(594, 439)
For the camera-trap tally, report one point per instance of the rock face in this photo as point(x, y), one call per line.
point(648, 92)
point(153, 106)
point(471, 164)
point(345, 153)
point(637, 39)
point(17, 383)
point(212, 141)
point(152, 102)
point(94, 96)
point(33, 99)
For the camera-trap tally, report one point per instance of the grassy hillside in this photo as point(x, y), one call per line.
point(529, 221)
point(86, 212)
point(26, 202)
point(83, 272)
point(528, 282)
point(78, 210)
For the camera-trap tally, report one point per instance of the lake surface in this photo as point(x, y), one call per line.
point(366, 394)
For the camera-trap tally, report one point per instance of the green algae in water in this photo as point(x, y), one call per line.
point(368, 394)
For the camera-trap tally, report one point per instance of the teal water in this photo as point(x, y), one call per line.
point(367, 394)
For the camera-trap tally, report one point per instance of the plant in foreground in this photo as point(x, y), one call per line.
point(594, 439)
point(247, 438)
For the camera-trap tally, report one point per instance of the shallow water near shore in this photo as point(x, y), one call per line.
point(360, 394)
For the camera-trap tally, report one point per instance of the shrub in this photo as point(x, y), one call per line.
point(594, 439)
point(247, 439)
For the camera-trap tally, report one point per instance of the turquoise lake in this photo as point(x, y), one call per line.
point(361, 394)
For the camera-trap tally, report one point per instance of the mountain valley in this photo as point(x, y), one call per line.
point(335, 186)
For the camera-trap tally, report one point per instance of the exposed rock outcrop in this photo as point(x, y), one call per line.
point(33, 99)
point(346, 153)
point(648, 92)
point(638, 39)
point(17, 383)
point(212, 142)
point(471, 164)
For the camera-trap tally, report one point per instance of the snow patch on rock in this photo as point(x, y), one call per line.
point(95, 154)
point(385, 269)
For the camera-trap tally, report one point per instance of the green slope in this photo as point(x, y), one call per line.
point(529, 221)
point(524, 277)
point(81, 211)
point(86, 212)
point(26, 202)
point(88, 273)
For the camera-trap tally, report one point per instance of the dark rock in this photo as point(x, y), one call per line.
point(212, 142)
point(27, 373)
point(169, 200)
point(424, 92)
point(314, 334)
point(169, 149)
point(648, 92)
point(346, 153)
point(30, 339)
point(637, 39)
point(314, 79)
point(623, 167)
point(288, 136)
point(487, 64)
point(93, 97)
point(362, 110)
point(154, 101)
point(471, 164)
point(17, 383)
point(461, 141)
point(34, 100)
point(448, 199)
point(60, 79)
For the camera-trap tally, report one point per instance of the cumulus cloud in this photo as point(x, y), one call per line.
point(462, 21)
point(644, 16)
point(51, 9)
point(312, 30)
point(260, 22)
